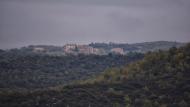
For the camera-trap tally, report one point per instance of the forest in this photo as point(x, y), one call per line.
point(159, 79)
point(30, 70)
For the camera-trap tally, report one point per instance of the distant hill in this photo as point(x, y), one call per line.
point(138, 47)
point(100, 48)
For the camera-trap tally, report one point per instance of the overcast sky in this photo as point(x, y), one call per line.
point(57, 22)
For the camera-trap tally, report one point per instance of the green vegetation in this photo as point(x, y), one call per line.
point(29, 70)
point(160, 79)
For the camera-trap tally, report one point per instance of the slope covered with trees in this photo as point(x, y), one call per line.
point(29, 70)
point(160, 79)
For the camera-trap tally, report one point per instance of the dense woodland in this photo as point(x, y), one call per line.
point(160, 79)
point(30, 70)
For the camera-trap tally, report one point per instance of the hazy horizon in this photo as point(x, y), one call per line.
point(60, 45)
point(48, 22)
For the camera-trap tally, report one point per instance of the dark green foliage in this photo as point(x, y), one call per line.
point(69, 96)
point(27, 70)
point(160, 79)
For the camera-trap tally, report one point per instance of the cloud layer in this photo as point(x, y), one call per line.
point(73, 21)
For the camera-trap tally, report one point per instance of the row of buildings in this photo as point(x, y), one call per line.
point(86, 49)
point(75, 49)
point(82, 49)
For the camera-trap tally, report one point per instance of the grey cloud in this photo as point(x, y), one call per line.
point(59, 22)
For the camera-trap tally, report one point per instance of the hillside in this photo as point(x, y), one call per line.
point(29, 70)
point(99, 48)
point(138, 47)
point(160, 79)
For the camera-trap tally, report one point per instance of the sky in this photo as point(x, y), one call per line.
point(58, 22)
